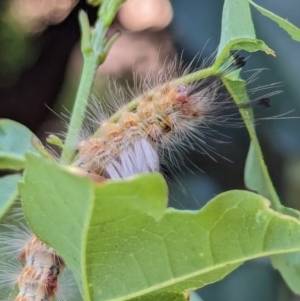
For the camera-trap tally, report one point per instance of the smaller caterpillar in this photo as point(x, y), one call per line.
point(39, 277)
point(28, 263)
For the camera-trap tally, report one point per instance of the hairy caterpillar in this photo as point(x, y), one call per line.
point(142, 135)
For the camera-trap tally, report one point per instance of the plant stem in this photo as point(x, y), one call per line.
point(240, 95)
point(81, 101)
point(90, 66)
point(94, 47)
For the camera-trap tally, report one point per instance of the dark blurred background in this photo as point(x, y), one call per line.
point(40, 65)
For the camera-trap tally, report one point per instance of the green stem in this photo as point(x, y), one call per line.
point(85, 86)
point(240, 95)
point(94, 47)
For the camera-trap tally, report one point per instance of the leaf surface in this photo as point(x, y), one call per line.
point(15, 140)
point(8, 192)
point(238, 30)
point(123, 244)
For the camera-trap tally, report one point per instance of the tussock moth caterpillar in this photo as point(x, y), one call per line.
point(29, 269)
point(164, 117)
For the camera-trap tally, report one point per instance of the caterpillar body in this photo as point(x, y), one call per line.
point(142, 135)
point(28, 263)
point(38, 279)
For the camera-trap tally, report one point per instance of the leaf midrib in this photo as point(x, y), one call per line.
point(199, 273)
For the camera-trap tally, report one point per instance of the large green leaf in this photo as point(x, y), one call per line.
point(291, 29)
point(15, 140)
point(123, 244)
point(8, 192)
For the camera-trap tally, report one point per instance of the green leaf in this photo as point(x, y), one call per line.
point(238, 30)
point(257, 177)
point(236, 22)
point(55, 140)
point(251, 46)
point(291, 29)
point(8, 192)
point(289, 267)
point(123, 244)
point(15, 140)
